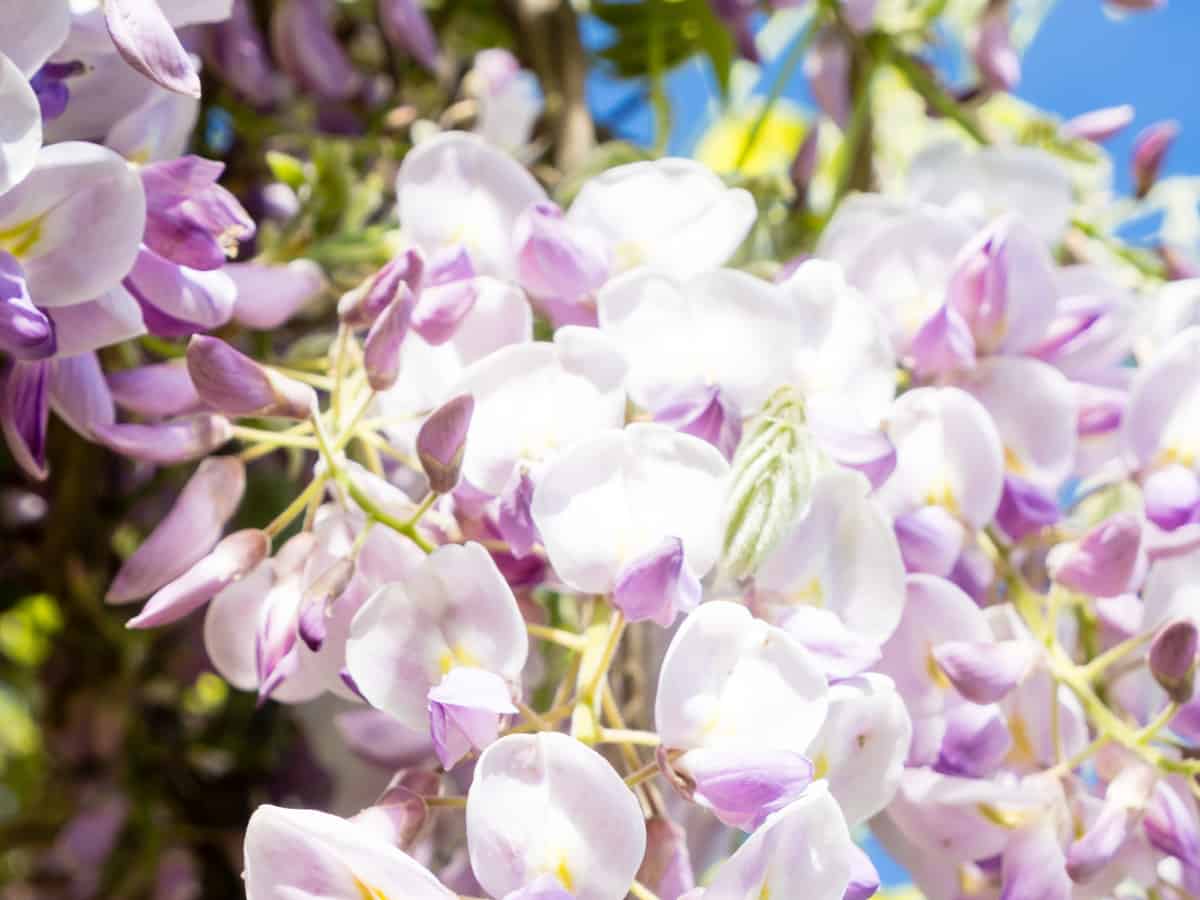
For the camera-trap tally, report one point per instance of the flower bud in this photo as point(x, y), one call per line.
point(147, 41)
point(155, 390)
point(166, 443)
point(1173, 659)
point(25, 331)
point(827, 67)
point(360, 307)
point(233, 383)
point(442, 441)
point(1102, 564)
point(1172, 496)
point(1098, 125)
point(232, 558)
point(657, 585)
point(994, 55)
point(1149, 151)
point(399, 814)
point(804, 164)
point(407, 28)
point(984, 672)
point(304, 43)
point(465, 712)
point(556, 259)
point(189, 531)
point(772, 477)
point(237, 50)
point(381, 349)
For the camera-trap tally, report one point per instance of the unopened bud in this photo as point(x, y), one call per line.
point(381, 349)
point(233, 383)
point(442, 441)
point(360, 307)
point(1173, 659)
point(1149, 151)
point(1098, 125)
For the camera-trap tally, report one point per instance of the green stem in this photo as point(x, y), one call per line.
point(367, 505)
point(935, 95)
point(782, 77)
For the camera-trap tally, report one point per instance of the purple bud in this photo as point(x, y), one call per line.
point(975, 742)
point(157, 390)
point(657, 585)
point(442, 309)
point(1172, 497)
point(407, 28)
point(930, 538)
point(146, 40)
point(308, 50)
point(173, 441)
point(190, 219)
point(745, 785)
point(978, 287)
point(25, 414)
point(231, 382)
point(465, 712)
point(1171, 826)
point(827, 67)
point(360, 307)
point(514, 518)
point(187, 533)
point(1025, 508)
point(859, 14)
point(998, 62)
point(736, 16)
point(237, 50)
point(381, 349)
point(25, 331)
point(1102, 564)
point(1098, 125)
point(868, 450)
point(864, 879)
point(707, 414)
point(320, 599)
point(1172, 659)
point(1097, 847)
point(442, 441)
point(984, 672)
point(1137, 5)
point(804, 164)
point(1149, 151)
point(943, 344)
point(232, 558)
point(398, 815)
point(667, 866)
point(556, 259)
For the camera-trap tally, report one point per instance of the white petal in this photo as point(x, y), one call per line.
point(669, 214)
point(615, 496)
point(457, 189)
point(1172, 590)
point(30, 33)
point(158, 128)
point(454, 609)
point(111, 318)
point(1164, 403)
point(78, 219)
point(533, 399)
point(301, 854)
point(804, 850)
point(20, 125)
point(724, 328)
point(547, 805)
point(863, 745)
point(729, 679)
point(840, 554)
point(947, 453)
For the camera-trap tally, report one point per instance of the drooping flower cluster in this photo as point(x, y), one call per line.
point(645, 574)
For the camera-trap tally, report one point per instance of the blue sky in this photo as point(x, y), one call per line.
point(1082, 59)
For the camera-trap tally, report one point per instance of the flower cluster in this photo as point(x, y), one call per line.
point(642, 572)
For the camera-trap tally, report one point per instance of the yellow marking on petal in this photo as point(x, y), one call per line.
point(935, 673)
point(820, 767)
point(629, 255)
point(1181, 453)
point(1022, 752)
point(458, 655)
point(811, 593)
point(22, 238)
point(563, 873)
point(941, 493)
point(970, 880)
point(764, 892)
point(366, 892)
point(1005, 818)
point(1014, 463)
